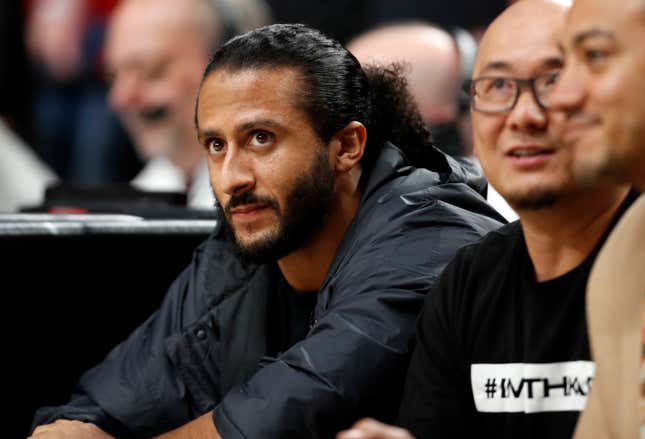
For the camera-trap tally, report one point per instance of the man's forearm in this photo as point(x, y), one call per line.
point(201, 428)
point(64, 428)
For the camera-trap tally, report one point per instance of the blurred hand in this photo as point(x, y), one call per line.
point(371, 429)
point(54, 36)
point(65, 429)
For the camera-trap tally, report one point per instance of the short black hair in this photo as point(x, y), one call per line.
point(335, 88)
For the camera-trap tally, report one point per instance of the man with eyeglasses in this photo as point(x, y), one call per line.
point(502, 348)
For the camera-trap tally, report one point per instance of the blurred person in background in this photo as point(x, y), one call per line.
point(74, 130)
point(155, 55)
point(434, 74)
point(436, 62)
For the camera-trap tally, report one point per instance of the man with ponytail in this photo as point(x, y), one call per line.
point(296, 316)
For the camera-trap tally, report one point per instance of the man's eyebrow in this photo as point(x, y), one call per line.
point(554, 62)
point(592, 33)
point(207, 134)
point(244, 126)
point(495, 65)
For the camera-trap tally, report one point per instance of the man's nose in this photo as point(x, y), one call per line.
point(569, 92)
point(124, 92)
point(236, 173)
point(528, 114)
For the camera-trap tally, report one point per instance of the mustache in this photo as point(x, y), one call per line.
point(154, 114)
point(250, 198)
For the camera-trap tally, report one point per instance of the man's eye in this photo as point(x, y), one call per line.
point(215, 146)
point(595, 56)
point(499, 83)
point(546, 82)
point(496, 86)
point(551, 78)
point(261, 138)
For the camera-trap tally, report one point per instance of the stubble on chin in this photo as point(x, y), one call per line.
point(533, 200)
point(593, 166)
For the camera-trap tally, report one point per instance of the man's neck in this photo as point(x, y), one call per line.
point(305, 269)
point(560, 238)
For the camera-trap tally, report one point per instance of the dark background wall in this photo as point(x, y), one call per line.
point(66, 300)
point(344, 19)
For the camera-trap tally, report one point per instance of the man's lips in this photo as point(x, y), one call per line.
point(247, 210)
point(529, 156)
point(521, 151)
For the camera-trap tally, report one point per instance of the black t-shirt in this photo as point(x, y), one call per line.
point(289, 318)
point(498, 354)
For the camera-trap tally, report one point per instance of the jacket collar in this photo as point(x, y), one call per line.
point(392, 163)
point(390, 159)
point(389, 164)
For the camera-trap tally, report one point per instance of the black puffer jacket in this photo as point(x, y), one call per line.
point(204, 348)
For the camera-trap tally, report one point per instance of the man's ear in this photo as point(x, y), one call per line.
point(348, 146)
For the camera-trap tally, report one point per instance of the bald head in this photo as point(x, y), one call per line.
point(432, 57)
point(194, 19)
point(524, 28)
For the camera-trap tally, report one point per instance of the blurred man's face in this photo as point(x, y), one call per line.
point(432, 68)
point(602, 89)
point(155, 60)
point(431, 61)
point(271, 173)
point(516, 147)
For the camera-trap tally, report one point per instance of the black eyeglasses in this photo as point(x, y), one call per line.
point(498, 94)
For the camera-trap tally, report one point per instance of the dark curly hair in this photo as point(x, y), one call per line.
point(336, 89)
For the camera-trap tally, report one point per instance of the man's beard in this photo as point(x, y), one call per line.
point(307, 207)
point(598, 166)
point(533, 200)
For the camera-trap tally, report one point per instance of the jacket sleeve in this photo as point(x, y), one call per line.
point(350, 364)
point(117, 395)
point(353, 361)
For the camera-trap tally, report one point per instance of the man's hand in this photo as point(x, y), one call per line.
point(371, 429)
point(201, 428)
point(65, 429)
